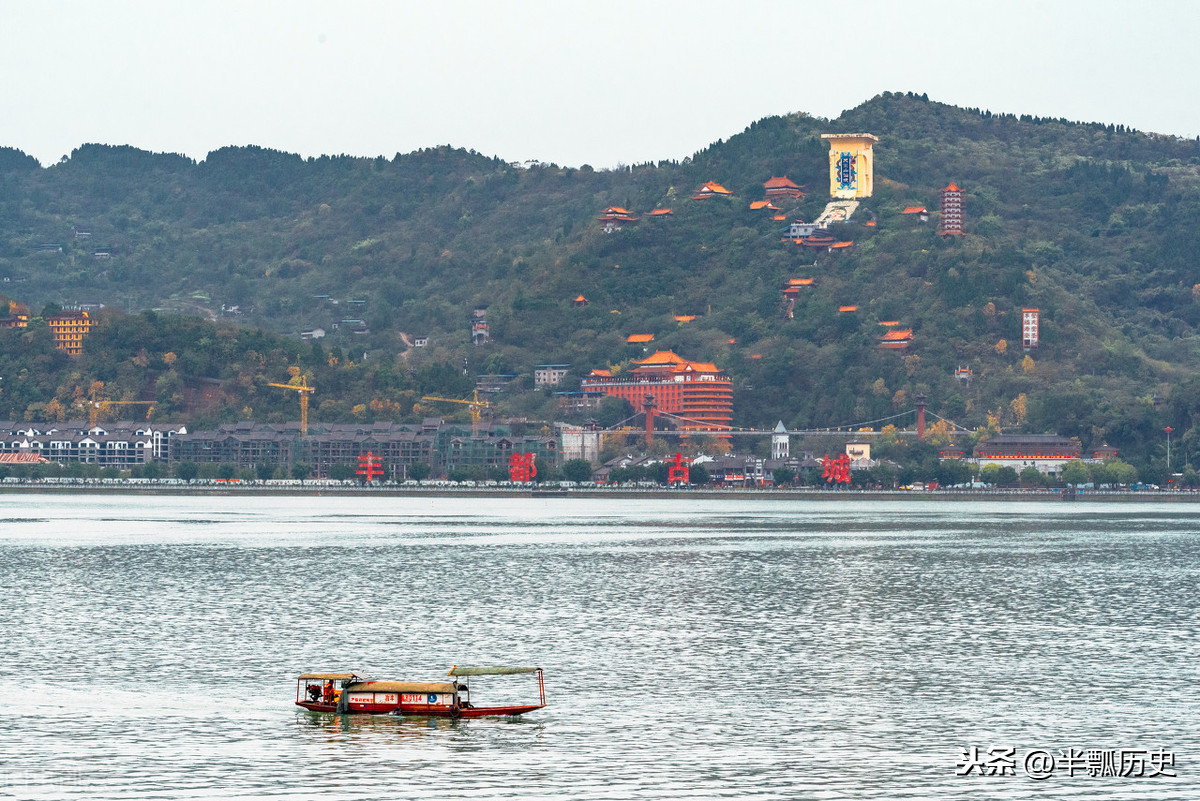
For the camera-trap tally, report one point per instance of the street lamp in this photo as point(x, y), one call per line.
point(1168, 429)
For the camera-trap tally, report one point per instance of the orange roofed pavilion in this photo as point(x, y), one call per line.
point(711, 189)
point(782, 188)
point(699, 392)
point(897, 339)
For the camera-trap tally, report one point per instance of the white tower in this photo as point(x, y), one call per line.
point(779, 442)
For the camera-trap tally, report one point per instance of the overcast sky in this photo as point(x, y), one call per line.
point(565, 82)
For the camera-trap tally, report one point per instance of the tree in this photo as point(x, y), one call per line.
point(419, 471)
point(698, 474)
point(1032, 477)
point(545, 470)
point(1075, 473)
point(998, 476)
point(301, 471)
point(577, 470)
point(341, 472)
point(264, 471)
point(783, 476)
point(187, 471)
point(1007, 476)
point(1122, 472)
point(951, 472)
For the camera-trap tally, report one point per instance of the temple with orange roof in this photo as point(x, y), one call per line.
point(782, 189)
point(614, 218)
point(709, 190)
point(697, 391)
point(579, 301)
point(659, 213)
point(639, 339)
point(897, 339)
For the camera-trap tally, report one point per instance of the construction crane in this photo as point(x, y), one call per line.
point(476, 405)
point(95, 405)
point(304, 390)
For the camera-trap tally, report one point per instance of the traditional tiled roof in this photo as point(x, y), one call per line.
point(898, 334)
point(658, 213)
point(914, 210)
point(709, 189)
point(800, 281)
point(847, 308)
point(889, 322)
point(601, 373)
point(639, 338)
point(21, 458)
point(580, 299)
point(781, 182)
point(684, 318)
point(662, 357)
point(953, 187)
point(842, 245)
point(779, 217)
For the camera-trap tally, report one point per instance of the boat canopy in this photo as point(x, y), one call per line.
point(333, 676)
point(402, 687)
point(490, 671)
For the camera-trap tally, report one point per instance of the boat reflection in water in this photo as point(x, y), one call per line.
point(355, 694)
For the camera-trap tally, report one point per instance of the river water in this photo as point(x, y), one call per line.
point(693, 648)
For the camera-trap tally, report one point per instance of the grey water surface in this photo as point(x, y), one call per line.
point(693, 648)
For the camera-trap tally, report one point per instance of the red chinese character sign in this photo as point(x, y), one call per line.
point(837, 471)
point(521, 468)
point(677, 470)
point(370, 467)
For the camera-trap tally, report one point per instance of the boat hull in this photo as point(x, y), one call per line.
point(422, 710)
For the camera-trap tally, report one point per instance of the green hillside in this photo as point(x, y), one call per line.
point(1097, 226)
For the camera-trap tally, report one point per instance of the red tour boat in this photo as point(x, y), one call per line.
point(352, 693)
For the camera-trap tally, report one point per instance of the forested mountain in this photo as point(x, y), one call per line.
point(1096, 225)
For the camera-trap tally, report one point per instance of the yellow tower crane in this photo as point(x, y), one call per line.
point(96, 405)
point(476, 405)
point(300, 385)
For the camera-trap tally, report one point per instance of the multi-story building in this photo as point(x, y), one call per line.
point(18, 316)
point(444, 447)
point(549, 375)
point(1046, 452)
point(119, 444)
point(69, 329)
point(951, 223)
point(1029, 328)
point(698, 393)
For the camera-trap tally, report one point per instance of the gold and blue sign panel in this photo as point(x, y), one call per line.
point(850, 165)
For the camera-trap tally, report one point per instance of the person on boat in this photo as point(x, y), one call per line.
point(314, 692)
point(328, 694)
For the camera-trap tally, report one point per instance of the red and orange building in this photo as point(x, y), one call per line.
point(699, 392)
point(782, 189)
